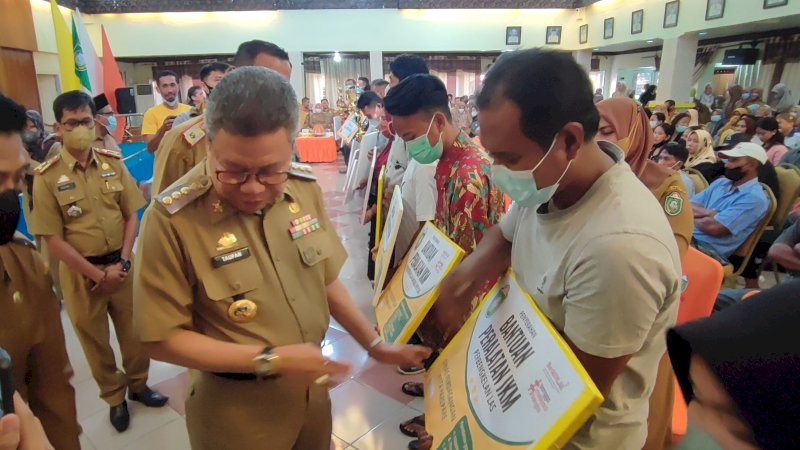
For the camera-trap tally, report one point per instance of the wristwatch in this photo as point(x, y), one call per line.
point(267, 364)
point(126, 265)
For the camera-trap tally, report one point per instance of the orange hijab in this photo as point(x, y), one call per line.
point(632, 127)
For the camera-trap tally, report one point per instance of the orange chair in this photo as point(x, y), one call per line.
point(705, 277)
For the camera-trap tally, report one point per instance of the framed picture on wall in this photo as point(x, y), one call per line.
point(583, 34)
point(513, 35)
point(715, 9)
point(775, 3)
point(671, 11)
point(553, 36)
point(637, 19)
point(608, 28)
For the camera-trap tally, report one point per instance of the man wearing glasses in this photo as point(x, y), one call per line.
point(85, 205)
point(242, 277)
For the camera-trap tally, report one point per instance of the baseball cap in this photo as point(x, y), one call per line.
point(746, 149)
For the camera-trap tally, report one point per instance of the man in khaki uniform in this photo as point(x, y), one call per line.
point(242, 278)
point(85, 205)
point(185, 145)
point(30, 324)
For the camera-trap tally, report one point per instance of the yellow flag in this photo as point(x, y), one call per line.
point(66, 56)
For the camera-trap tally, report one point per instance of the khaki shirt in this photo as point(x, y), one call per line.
point(181, 149)
point(672, 196)
point(205, 259)
point(87, 207)
point(25, 290)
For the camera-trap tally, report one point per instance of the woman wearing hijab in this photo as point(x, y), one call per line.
point(707, 97)
point(734, 96)
point(648, 95)
point(738, 371)
point(33, 135)
point(598, 96)
point(784, 101)
point(621, 92)
point(625, 123)
point(701, 153)
point(754, 100)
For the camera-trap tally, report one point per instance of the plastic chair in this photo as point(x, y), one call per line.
point(705, 276)
point(699, 181)
point(789, 182)
point(749, 245)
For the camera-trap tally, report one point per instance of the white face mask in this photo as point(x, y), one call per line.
point(653, 124)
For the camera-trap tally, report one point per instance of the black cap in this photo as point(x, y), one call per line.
point(100, 101)
point(733, 140)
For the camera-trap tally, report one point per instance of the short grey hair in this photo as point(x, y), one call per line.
point(251, 101)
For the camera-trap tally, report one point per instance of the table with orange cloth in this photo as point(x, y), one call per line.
point(316, 148)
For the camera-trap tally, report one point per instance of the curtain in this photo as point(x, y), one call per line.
point(704, 56)
point(335, 73)
point(791, 78)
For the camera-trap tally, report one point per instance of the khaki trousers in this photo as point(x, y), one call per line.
point(89, 313)
point(659, 421)
point(32, 334)
point(275, 414)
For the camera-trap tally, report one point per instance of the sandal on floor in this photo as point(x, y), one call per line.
point(423, 443)
point(414, 389)
point(412, 427)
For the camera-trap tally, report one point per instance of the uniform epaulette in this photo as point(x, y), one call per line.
point(110, 153)
point(40, 169)
point(302, 171)
point(195, 133)
point(181, 193)
point(22, 240)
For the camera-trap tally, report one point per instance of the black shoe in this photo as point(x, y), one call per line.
point(120, 417)
point(149, 397)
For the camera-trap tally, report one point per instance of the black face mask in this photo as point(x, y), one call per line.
point(9, 215)
point(734, 174)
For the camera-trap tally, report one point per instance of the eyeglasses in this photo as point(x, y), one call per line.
point(72, 123)
point(239, 178)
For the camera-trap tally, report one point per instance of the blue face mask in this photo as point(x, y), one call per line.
point(172, 103)
point(359, 90)
point(716, 118)
point(112, 124)
point(421, 149)
point(752, 108)
point(681, 128)
point(746, 96)
point(521, 186)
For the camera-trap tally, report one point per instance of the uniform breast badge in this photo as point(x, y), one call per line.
point(303, 226)
point(105, 166)
point(227, 241)
point(294, 208)
point(242, 310)
point(74, 211)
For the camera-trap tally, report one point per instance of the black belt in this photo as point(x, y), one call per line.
point(111, 258)
point(237, 376)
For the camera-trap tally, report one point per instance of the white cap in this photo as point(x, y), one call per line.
point(754, 151)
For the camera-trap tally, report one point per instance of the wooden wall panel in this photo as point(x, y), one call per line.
point(16, 23)
point(18, 77)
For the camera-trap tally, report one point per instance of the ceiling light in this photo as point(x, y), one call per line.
point(595, 49)
point(650, 41)
point(702, 33)
point(337, 57)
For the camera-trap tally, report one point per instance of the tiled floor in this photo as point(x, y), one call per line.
point(367, 406)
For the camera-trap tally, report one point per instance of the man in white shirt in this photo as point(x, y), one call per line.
point(585, 237)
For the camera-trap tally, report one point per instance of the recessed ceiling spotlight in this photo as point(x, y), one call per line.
point(650, 41)
point(337, 57)
point(702, 33)
point(595, 49)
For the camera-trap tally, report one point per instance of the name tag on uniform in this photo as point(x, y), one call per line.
point(66, 187)
point(108, 174)
point(227, 258)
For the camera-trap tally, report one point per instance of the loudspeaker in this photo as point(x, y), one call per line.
point(740, 56)
point(126, 102)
